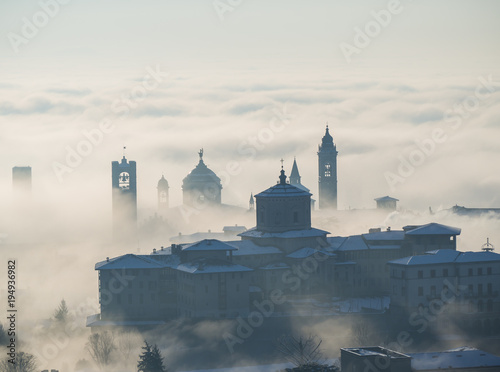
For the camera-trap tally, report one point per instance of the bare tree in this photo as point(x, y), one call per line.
point(100, 347)
point(300, 351)
point(24, 362)
point(361, 333)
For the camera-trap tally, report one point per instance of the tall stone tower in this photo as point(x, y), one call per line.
point(124, 189)
point(327, 171)
point(162, 194)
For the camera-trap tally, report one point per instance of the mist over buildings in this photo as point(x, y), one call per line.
point(415, 115)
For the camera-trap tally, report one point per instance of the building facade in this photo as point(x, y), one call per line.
point(466, 284)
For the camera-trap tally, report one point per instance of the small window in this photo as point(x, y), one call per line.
point(445, 272)
point(488, 271)
point(471, 272)
point(480, 271)
point(420, 274)
point(433, 273)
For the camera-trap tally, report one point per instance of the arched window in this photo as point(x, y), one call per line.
point(124, 181)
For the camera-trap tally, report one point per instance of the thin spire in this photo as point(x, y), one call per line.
point(282, 174)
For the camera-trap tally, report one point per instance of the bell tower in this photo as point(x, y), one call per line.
point(327, 171)
point(162, 194)
point(124, 194)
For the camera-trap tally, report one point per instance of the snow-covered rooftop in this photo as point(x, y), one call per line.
point(385, 235)
point(307, 251)
point(458, 358)
point(247, 247)
point(274, 266)
point(353, 243)
point(208, 245)
point(306, 233)
point(129, 261)
point(433, 229)
point(204, 266)
point(446, 256)
point(386, 198)
point(282, 190)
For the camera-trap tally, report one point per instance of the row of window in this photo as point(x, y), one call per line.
point(433, 273)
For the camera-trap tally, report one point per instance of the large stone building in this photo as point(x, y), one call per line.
point(380, 359)
point(283, 252)
point(460, 283)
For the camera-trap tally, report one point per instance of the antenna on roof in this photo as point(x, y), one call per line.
point(487, 247)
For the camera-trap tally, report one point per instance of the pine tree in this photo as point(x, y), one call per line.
point(150, 360)
point(61, 313)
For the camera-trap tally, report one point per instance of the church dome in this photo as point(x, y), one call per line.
point(200, 174)
point(163, 183)
point(201, 185)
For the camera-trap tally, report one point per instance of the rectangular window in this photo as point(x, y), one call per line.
point(488, 270)
point(445, 272)
point(420, 274)
point(433, 273)
point(480, 271)
point(490, 288)
point(471, 272)
point(479, 289)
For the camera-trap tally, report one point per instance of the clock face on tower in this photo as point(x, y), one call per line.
point(124, 181)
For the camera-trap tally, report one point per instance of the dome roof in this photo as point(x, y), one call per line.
point(163, 183)
point(201, 174)
point(282, 189)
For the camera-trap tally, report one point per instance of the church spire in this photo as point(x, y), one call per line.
point(294, 174)
point(282, 175)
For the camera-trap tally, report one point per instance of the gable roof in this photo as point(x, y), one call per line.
point(386, 198)
point(432, 229)
point(442, 256)
point(129, 261)
point(207, 266)
point(208, 245)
